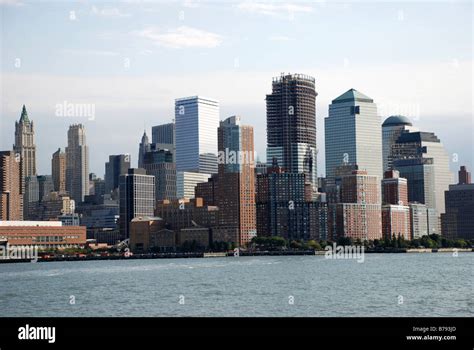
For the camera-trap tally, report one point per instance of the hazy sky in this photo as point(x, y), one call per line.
point(131, 59)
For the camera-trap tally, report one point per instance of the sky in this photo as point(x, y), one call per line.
point(129, 60)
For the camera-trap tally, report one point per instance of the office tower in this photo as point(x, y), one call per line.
point(392, 128)
point(58, 170)
point(197, 120)
point(116, 166)
point(25, 144)
point(395, 210)
point(11, 196)
point(291, 125)
point(137, 198)
point(464, 176)
point(418, 220)
point(187, 181)
point(458, 221)
point(159, 163)
point(30, 197)
point(358, 216)
point(394, 188)
point(163, 135)
point(353, 134)
point(421, 158)
point(285, 207)
point(144, 147)
point(236, 189)
point(77, 163)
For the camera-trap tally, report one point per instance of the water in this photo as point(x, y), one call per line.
point(430, 284)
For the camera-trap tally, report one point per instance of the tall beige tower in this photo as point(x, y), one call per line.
point(77, 163)
point(58, 171)
point(10, 187)
point(25, 144)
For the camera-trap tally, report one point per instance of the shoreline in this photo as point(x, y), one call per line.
point(228, 254)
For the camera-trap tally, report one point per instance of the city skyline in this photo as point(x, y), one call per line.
point(229, 68)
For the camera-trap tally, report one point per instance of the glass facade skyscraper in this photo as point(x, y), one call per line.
point(353, 134)
point(197, 120)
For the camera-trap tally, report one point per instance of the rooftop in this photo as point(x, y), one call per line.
point(397, 120)
point(352, 95)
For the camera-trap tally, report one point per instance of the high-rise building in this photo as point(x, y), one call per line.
point(58, 170)
point(464, 176)
point(395, 210)
point(197, 120)
point(236, 189)
point(291, 125)
point(421, 158)
point(77, 163)
point(137, 197)
point(458, 220)
point(285, 207)
point(159, 163)
point(116, 166)
point(187, 181)
point(394, 188)
point(392, 128)
point(144, 147)
point(418, 220)
point(163, 135)
point(358, 216)
point(25, 144)
point(353, 134)
point(11, 196)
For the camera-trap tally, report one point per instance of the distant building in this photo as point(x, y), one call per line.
point(421, 158)
point(159, 163)
point(116, 166)
point(186, 182)
point(11, 196)
point(285, 207)
point(197, 120)
point(44, 234)
point(144, 147)
point(395, 209)
point(36, 188)
point(150, 234)
point(77, 163)
point(291, 125)
point(458, 221)
point(58, 171)
point(353, 134)
point(358, 215)
point(25, 147)
point(418, 220)
point(392, 128)
point(137, 197)
point(163, 137)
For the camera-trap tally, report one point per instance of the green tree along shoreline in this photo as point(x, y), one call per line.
point(433, 241)
point(263, 243)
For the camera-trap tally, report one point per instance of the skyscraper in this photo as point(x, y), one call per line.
point(358, 216)
point(163, 135)
point(25, 144)
point(421, 158)
point(395, 209)
point(236, 184)
point(197, 120)
point(143, 148)
point(353, 134)
point(392, 128)
point(11, 196)
point(116, 166)
point(137, 198)
point(77, 163)
point(58, 171)
point(458, 221)
point(291, 125)
point(159, 163)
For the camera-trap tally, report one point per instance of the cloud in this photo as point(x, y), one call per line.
point(273, 9)
point(11, 2)
point(181, 37)
point(109, 12)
